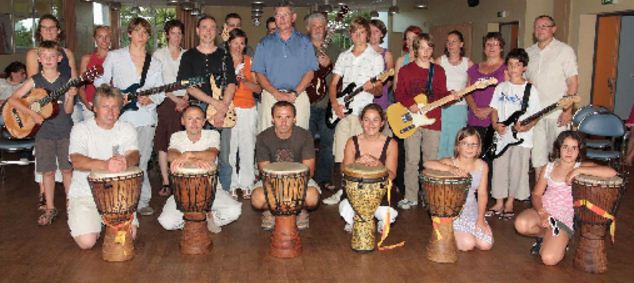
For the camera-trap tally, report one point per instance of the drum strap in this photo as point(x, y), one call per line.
point(598, 211)
point(435, 220)
point(388, 220)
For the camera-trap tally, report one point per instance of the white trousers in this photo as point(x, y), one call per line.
point(243, 141)
point(302, 106)
point(145, 136)
point(347, 213)
point(225, 210)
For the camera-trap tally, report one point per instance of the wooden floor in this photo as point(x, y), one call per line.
point(29, 253)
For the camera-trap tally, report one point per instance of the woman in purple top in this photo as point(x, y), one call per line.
point(377, 33)
point(493, 66)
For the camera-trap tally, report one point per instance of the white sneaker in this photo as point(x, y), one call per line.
point(348, 228)
point(406, 204)
point(333, 199)
point(211, 224)
point(146, 211)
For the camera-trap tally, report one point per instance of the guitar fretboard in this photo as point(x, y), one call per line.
point(540, 113)
point(168, 87)
point(53, 96)
point(447, 99)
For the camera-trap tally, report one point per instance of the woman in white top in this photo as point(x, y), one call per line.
point(454, 116)
point(170, 111)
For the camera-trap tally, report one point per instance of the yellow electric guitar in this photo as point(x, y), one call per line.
point(230, 116)
point(404, 123)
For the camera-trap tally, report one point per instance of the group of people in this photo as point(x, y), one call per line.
point(279, 95)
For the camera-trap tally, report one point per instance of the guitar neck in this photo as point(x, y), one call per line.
point(53, 96)
point(164, 88)
point(447, 99)
point(539, 114)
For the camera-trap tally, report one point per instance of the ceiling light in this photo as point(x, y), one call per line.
point(187, 6)
point(374, 14)
point(115, 6)
point(394, 9)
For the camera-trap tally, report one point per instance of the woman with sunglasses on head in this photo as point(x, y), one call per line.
point(550, 219)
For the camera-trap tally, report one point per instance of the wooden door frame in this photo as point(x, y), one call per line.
point(500, 24)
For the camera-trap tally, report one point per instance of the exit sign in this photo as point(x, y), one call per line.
point(608, 2)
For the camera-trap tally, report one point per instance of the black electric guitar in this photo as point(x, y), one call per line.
point(132, 92)
point(346, 96)
point(501, 143)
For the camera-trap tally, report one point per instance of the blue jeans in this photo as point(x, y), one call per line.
point(325, 159)
point(224, 168)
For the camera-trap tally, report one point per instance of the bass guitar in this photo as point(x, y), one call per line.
point(502, 142)
point(346, 97)
point(230, 116)
point(132, 92)
point(20, 125)
point(404, 123)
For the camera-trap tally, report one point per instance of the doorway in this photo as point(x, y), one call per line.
point(510, 33)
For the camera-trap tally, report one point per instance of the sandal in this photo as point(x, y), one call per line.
point(165, 191)
point(507, 215)
point(41, 203)
point(246, 194)
point(47, 217)
point(490, 212)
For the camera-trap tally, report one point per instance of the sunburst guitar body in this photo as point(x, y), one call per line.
point(230, 116)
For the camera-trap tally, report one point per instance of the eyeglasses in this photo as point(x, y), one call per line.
point(471, 145)
point(553, 223)
point(544, 27)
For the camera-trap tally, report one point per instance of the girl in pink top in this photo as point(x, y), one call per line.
point(551, 217)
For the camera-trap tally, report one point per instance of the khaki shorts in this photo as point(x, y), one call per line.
point(346, 128)
point(545, 133)
point(51, 154)
point(83, 217)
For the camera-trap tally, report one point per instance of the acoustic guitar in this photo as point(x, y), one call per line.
point(21, 125)
point(216, 93)
point(404, 123)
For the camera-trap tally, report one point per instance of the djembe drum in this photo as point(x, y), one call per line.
point(116, 196)
point(285, 185)
point(445, 196)
point(596, 201)
point(365, 187)
point(194, 192)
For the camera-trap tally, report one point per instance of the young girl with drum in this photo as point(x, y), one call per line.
point(552, 212)
point(371, 148)
point(471, 228)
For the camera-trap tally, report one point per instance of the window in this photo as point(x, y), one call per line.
point(157, 18)
point(26, 15)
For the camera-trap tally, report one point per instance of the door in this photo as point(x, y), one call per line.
point(606, 61)
point(625, 76)
point(509, 33)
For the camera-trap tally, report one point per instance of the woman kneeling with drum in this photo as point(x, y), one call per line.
point(471, 229)
point(552, 212)
point(368, 159)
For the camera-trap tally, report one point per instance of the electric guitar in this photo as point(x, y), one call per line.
point(502, 142)
point(230, 116)
point(404, 123)
point(20, 125)
point(132, 92)
point(346, 97)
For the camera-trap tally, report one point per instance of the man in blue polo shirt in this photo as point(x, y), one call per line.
point(284, 63)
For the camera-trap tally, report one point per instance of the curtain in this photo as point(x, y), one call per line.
point(114, 27)
point(189, 34)
point(70, 31)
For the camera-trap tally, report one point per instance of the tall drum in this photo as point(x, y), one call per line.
point(194, 191)
point(285, 185)
point(116, 196)
point(596, 202)
point(445, 196)
point(365, 187)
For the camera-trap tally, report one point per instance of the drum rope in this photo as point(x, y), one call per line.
point(387, 222)
point(435, 220)
point(598, 211)
point(121, 229)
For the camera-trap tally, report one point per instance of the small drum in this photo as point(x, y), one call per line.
point(365, 187)
point(116, 196)
point(596, 201)
point(194, 191)
point(285, 185)
point(445, 196)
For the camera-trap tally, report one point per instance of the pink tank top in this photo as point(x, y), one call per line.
point(557, 199)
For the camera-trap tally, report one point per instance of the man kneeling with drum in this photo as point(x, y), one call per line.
point(102, 144)
point(285, 142)
point(199, 148)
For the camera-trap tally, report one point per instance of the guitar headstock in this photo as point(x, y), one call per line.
point(567, 101)
point(92, 73)
point(485, 82)
point(385, 75)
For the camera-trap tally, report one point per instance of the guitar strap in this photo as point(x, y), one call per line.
point(146, 67)
point(429, 90)
point(527, 93)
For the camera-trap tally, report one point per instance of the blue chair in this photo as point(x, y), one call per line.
point(11, 145)
point(584, 112)
point(605, 124)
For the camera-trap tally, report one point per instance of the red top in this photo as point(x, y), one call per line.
point(90, 87)
point(412, 81)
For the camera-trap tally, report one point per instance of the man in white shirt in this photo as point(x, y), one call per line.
point(553, 70)
point(123, 67)
point(356, 65)
point(199, 147)
point(103, 144)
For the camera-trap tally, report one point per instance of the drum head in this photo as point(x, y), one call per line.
point(599, 181)
point(192, 169)
point(98, 174)
point(284, 168)
point(438, 174)
point(363, 171)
